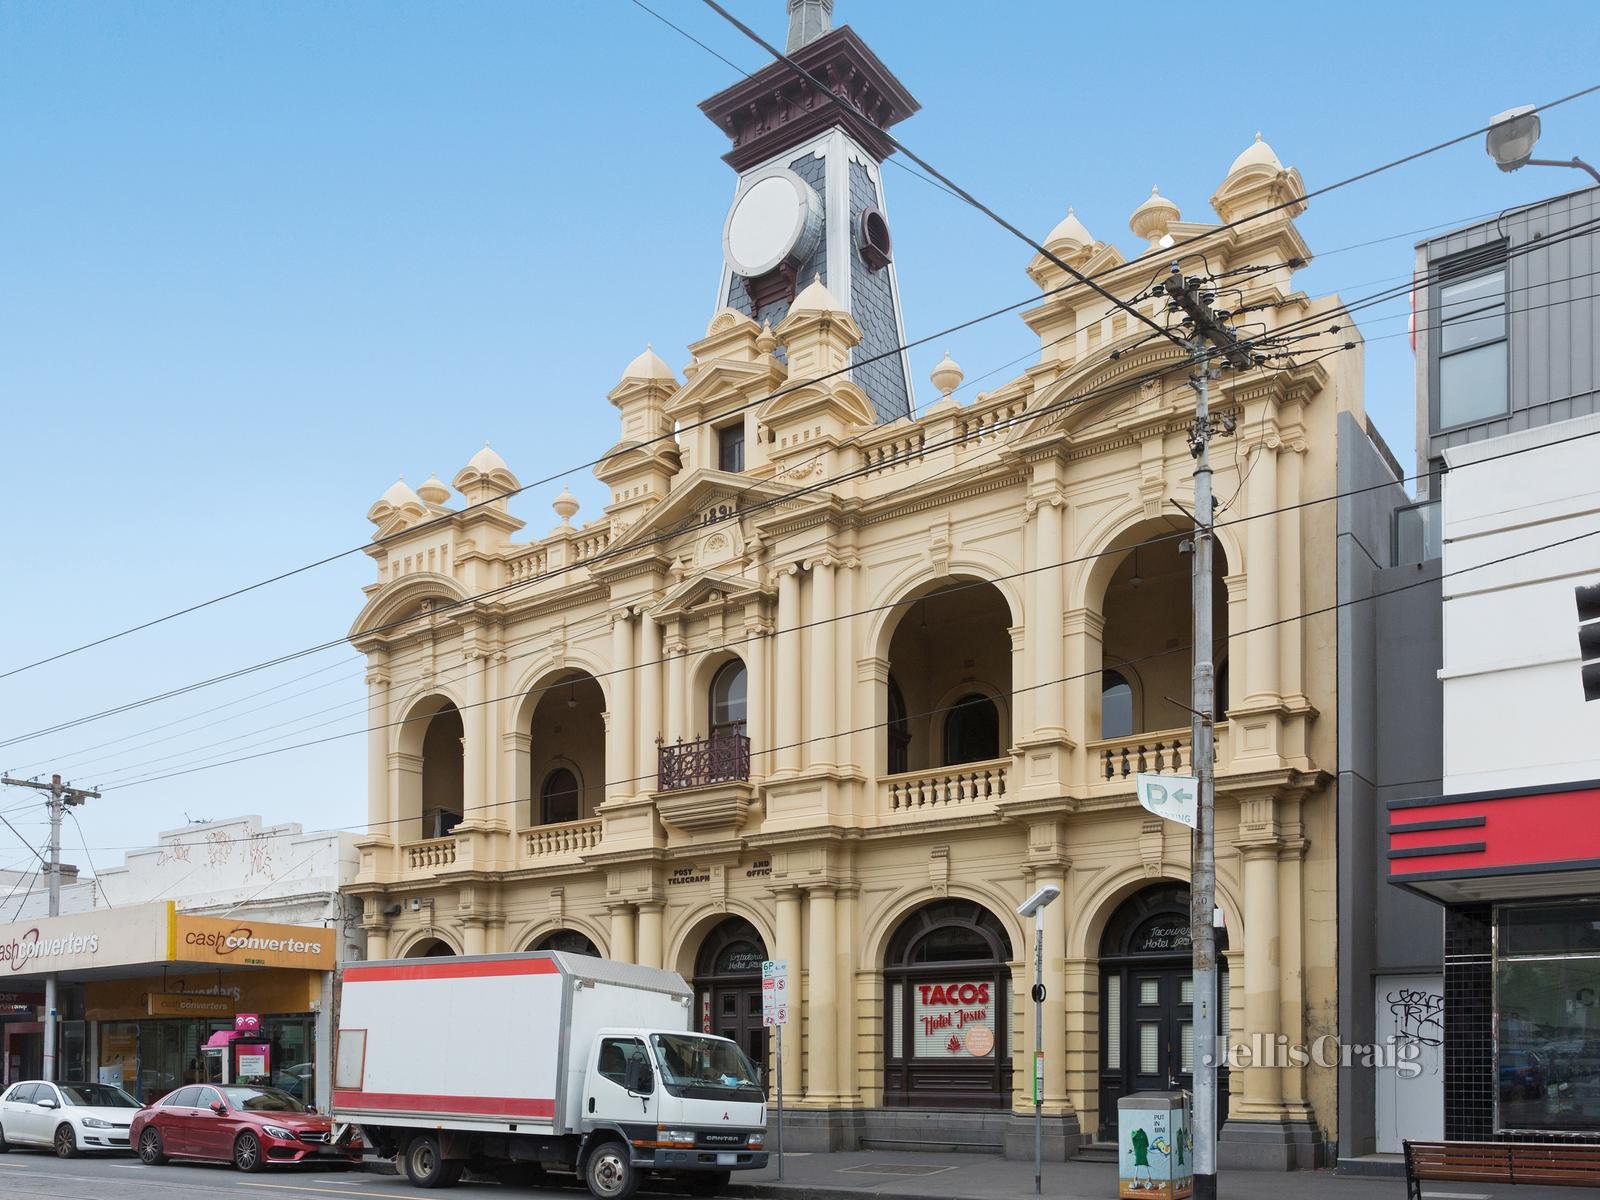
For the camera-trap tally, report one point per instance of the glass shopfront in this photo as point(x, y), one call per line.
point(1547, 1015)
point(149, 1058)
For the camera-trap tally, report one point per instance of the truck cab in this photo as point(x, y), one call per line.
point(684, 1103)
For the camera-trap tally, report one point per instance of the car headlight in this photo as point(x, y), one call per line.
point(96, 1123)
point(278, 1131)
point(756, 1140)
point(677, 1138)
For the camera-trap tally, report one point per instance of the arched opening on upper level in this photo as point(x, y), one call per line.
point(431, 769)
point(566, 750)
point(949, 682)
point(1146, 646)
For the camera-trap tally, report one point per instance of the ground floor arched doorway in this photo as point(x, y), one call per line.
point(946, 1007)
point(1147, 1001)
point(727, 985)
point(570, 940)
point(431, 948)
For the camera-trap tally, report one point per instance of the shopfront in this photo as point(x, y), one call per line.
point(1519, 875)
point(146, 990)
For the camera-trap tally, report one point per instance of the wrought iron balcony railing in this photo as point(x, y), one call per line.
point(720, 758)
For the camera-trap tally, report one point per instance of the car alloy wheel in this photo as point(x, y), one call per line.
point(247, 1152)
point(150, 1152)
point(66, 1142)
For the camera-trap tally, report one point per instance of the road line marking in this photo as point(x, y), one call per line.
point(289, 1187)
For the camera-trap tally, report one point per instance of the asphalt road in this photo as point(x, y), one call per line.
point(26, 1174)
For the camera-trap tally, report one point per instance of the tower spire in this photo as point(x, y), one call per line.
point(808, 20)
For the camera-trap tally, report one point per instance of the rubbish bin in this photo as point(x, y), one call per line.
point(1155, 1153)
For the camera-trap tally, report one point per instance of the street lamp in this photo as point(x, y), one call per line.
point(1511, 138)
point(1034, 907)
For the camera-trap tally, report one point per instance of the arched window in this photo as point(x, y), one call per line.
point(899, 731)
point(568, 940)
point(558, 798)
point(971, 730)
point(728, 702)
point(1222, 691)
point(945, 984)
point(1116, 705)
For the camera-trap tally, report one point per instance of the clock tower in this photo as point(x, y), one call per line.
point(809, 198)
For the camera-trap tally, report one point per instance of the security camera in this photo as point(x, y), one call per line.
point(1040, 900)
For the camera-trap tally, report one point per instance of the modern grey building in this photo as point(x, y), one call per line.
point(1507, 337)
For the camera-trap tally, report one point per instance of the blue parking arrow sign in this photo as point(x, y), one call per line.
point(1171, 797)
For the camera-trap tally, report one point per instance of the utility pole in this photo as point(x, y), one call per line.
point(60, 796)
point(1207, 330)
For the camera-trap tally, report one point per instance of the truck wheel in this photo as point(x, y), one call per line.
point(609, 1172)
point(426, 1166)
point(708, 1183)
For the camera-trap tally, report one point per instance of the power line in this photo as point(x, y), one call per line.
point(937, 710)
point(1151, 255)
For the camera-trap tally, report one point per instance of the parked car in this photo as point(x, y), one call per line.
point(250, 1126)
point(66, 1117)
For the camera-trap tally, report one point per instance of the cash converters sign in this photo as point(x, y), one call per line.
point(32, 948)
point(251, 943)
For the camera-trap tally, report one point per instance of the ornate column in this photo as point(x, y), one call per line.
point(789, 950)
point(375, 925)
point(474, 729)
point(650, 929)
point(822, 1003)
point(1291, 950)
point(676, 650)
point(1261, 566)
point(474, 936)
point(823, 663)
point(755, 648)
point(378, 734)
point(1085, 631)
point(845, 924)
point(650, 727)
point(1291, 636)
point(1263, 1090)
point(1045, 621)
point(622, 947)
point(786, 688)
point(620, 735)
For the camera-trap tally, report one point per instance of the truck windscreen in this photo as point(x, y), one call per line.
point(704, 1068)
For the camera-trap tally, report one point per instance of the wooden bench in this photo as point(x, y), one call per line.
point(1550, 1163)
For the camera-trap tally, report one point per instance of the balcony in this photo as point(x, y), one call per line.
point(703, 787)
point(969, 788)
point(721, 758)
point(553, 845)
point(432, 854)
point(1114, 762)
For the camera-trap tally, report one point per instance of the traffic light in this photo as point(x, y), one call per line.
point(1589, 638)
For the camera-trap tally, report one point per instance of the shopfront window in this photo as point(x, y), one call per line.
point(1547, 1012)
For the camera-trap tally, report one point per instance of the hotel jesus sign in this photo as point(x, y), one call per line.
point(954, 1019)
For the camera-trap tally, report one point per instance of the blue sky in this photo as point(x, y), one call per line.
point(257, 260)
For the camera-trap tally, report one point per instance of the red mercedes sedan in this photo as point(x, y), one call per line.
point(251, 1127)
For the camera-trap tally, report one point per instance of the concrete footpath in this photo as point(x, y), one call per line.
point(982, 1177)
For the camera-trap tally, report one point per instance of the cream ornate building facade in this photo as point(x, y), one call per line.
point(839, 689)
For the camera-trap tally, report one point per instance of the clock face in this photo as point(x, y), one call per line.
point(776, 219)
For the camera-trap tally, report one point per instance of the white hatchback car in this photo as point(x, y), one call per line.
point(68, 1118)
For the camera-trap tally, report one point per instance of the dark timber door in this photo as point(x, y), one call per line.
point(728, 984)
point(1147, 1002)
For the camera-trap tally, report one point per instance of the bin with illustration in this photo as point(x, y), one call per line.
point(1155, 1153)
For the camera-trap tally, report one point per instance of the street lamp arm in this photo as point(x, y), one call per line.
point(1574, 161)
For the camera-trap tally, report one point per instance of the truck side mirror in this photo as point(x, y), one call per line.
point(638, 1077)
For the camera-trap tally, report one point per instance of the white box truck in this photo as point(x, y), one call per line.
point(527, 1063)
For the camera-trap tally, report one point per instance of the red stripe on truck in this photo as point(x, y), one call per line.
point(509, 1106)
point(444, 968)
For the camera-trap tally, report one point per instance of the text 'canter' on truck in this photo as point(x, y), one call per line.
point(523, 1064)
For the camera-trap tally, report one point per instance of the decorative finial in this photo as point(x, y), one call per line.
point(566, 504)
point(1258, 135)
point(947, 376)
